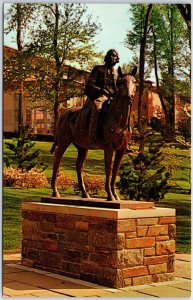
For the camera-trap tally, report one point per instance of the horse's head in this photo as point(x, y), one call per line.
point(127, 84)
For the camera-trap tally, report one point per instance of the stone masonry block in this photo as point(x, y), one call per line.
point(147, 221)
point(149, 251)
point(162, 238)
point(49, 245)
point(99, 258)
point(47, 226)
point(32, 216)
point(167, 220)
point(165, 247)
point(90, 267)
point(30, 230)
point(155, 260)
point(142, 230)
point(106, 225)
point(71, 236)
point(126, 225)
point(111, 277)
point(81, 225)
point(51, 259)
point(135, 271)
point(172, 231)
point(163, 277)
point(130, 235)
point(142, 280)
point(157, 269)
point(157, 230)
point(71, 268)
point(171, 261)
point(109, 240)
point(30, 263)
point(126, 258)
point(71, 255)
point(143, 242)
point(65, 221)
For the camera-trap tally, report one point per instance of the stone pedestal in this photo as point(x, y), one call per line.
point(116, 247)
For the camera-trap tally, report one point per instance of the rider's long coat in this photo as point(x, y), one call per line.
point(100, 78)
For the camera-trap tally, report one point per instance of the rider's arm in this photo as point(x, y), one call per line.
point(93, 85)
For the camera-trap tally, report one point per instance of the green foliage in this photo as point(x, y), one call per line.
point(165, 128)
point(23, 155)
point(168, 51)
point(184, 127)
point(142, 177)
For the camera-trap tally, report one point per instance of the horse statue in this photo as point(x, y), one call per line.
point(114, 136)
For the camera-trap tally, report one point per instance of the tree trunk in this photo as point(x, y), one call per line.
point(171, 73)
point(156, 75)
point(20, 70)
point(141, 77)
point(57, 68)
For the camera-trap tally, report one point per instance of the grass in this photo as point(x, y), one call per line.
point(182, 204)
point(178, 198)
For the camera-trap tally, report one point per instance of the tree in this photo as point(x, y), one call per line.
point(137, 39)
point(61, 35)
point(24, 157)
point(142, 177)
point(166, 52)
point(64, 36)
point(19, 17)
point(185, 10)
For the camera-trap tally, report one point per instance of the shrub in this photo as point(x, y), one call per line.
point(93, 184)
point(23, 156)
point(184, 127)
point(165, 128)
point(142, 177)
point(14, 177)
point(64, 181)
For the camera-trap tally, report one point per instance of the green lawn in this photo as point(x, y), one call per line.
point(178, 198)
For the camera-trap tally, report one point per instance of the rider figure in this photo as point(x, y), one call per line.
point(101, 86)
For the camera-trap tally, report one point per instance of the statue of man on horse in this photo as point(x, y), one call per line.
point(73, 126)
point(101, 86)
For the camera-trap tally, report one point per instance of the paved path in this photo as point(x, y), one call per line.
point(20, 281)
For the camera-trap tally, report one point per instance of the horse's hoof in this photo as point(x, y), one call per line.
point(87, 196)
point(111, 199)
point(56, 195)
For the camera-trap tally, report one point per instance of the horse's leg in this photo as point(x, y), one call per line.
point(108, 155)
point(82, 154)
point(59, 151)
point(118, 157)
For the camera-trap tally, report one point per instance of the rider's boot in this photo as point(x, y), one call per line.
point(93, 129)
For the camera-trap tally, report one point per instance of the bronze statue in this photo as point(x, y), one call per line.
point(101, 85)
point(114, 136)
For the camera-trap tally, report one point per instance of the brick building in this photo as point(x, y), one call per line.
point(39, 120)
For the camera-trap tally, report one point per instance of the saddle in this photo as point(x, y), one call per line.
point(81, 117)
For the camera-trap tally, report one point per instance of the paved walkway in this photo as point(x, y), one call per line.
point(20, 281)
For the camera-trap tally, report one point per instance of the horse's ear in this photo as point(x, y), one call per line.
point(120, 72)
point(134, 71)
